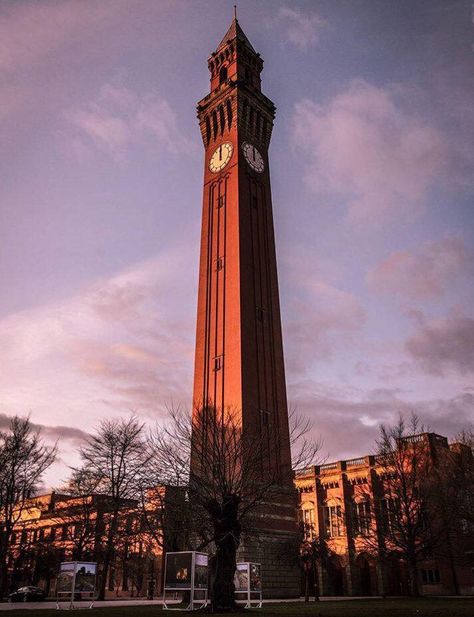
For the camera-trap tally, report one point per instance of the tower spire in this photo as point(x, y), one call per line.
point(235, 12)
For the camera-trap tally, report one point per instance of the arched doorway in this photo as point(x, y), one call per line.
point(395, 577)
point(336, 576)
point(367, 577)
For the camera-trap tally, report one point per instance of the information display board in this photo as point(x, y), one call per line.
point(186, 579)
point(76, 578)
point(248, 584)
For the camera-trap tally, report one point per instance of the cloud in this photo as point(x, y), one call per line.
point(348, 419)
point(301, 29)
point(424, 274)
point(318, 316)
point(119, 117)
point(367, 148)
point(51, 433)
point(30, 32)
point(124, 343)
point(443, 345)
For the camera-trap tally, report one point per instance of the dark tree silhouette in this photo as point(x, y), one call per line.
point(23, 459)
point(114, 460)
point(227, 478)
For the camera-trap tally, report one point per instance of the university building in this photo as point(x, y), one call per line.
point(55, 528)
point(344, 504)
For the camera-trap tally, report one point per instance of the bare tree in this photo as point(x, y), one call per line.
point(227, 476)
point(115, 459)
point(405, 527)
point(23, 459)
point(450, 493)
point(79, 513)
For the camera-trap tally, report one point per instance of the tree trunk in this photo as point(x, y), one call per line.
point(3, 575)
point(227, 538)
point(225, 564)
point(413, 577)
point(5, 536)
point(306, 586)
point(103, 580)
point(452, 565)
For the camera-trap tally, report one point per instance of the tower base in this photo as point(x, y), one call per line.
point(277, 552)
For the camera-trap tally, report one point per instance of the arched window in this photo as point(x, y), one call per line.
point(222, 75)
point(214, 124)
point(229, 113)
point(222, 118)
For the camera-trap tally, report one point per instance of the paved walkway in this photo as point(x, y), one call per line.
point(9, 606)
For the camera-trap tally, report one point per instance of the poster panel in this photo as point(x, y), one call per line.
point(201, 571)
point(85, 577)
point(255, 577)
point(241, 579)
point(178, 570)
point(65, 577)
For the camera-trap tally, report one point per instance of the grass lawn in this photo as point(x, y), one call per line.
point(423, 607)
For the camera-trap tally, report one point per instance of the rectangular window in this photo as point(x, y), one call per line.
point(333, 521)
point(217, 363)
point(388, 509)
point(53, 533)
point(221, 201)
point(219, 263)
point(430, 577)
point(41, 534)
point(308, 521)
point(260, 314)
point(361, 518)
point(64, 532)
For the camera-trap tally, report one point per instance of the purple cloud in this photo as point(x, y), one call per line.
point(119, 117)
point(442, 345)
point(367, 147)
point(299, 28)
point(423, 274)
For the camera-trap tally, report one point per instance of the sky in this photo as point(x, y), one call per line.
point(101, 167)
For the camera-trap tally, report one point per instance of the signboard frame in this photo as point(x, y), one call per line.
point(190, 586)
point(64, 595)
point(251, 597)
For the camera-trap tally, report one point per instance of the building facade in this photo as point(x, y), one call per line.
point(345, 506)
point(55, 528)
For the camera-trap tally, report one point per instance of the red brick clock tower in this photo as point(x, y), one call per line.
point(239, 351)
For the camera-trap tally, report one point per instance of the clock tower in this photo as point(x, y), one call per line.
point(239, 351)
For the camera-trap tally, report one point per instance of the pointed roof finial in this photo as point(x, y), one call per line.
point(235, 12)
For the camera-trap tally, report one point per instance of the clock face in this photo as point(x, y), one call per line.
point(253, 157)
point(221, 157)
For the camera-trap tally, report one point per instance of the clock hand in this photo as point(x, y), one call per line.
point(220, 153)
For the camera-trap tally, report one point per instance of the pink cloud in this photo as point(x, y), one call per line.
point(118, 344)
point(424, 274)
point(360, 412)
point(367, 148)
point(300, 29)
point(30, 32)
point(316, 321)
point(118, 117)
point(443, 345)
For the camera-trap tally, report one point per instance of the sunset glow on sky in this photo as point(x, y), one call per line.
point(100, 198)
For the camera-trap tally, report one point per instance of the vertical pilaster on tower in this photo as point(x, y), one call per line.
point(239, 362)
